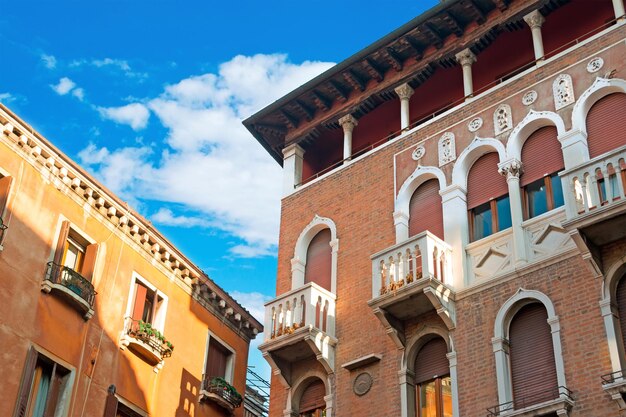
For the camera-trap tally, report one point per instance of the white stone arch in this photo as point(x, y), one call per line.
point(298, 387)
point(610, 314)
point(501, 339)
point(476, 149)
point(298, 262)
point(407, 373)
point(533, 121)
point(600, 88)
point(401, 212)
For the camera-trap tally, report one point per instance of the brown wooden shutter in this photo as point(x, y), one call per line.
point(89, 264)
point(140, 301)
point(318, 260)
point(425, 211)
point(533, 371)
point(216, 360)
point(541, 155)
point(606, 124)
point(5, 187)
point(431, 361)
point(484, 182)
point(27, 383)
point(313, 397)
point(110, 406)
point(60, 247)
point(53, 392)
point(620, 299)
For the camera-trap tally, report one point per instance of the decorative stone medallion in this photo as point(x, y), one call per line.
point(475, 124)
point(362, 383)
point(447, 150)
point(529, 98)
point(595, 65)
point(418, 153)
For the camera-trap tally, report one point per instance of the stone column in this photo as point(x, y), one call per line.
point(535, 20)
point(455, 386)
point(466, 58)
point(407, 393)
point(401, 222)
point(293, 158)
point(618, 7)
point(512, 169)
point(456, 231)
point(575, 148)
point(405, 92)
point(611, 325)
point(503, 374)
point(347, 122)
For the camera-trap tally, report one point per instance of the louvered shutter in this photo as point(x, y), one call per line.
point(533, 371)
point(431, 361)
point(27, 383)
point(318, 260)
point(110, 406)
point(140, 301)
point(425, 211)
point(53, 392)
point(62, 240)
point(620, 299)
point(541, 155)
point(313, 397)
point(606, 124)
point(484, 182)
point(216, 360)
point(89, 264)
point(5, 187)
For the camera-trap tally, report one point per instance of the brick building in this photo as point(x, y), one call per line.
point(99, 314)
point(453, 231)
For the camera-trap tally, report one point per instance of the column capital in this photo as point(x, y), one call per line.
point(534, 19)
point(465, 57)
point(404, 91)
point(511, 168)
point(348, 122)
point(293, 149)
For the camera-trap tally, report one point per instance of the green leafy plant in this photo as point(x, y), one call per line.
point(220, 382)
point(146, 329)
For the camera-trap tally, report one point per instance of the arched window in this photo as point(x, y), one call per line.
point(319, 260)
point(542, 159)
point(425, 210)
point(606, 124)
point(432, 380)
point(312, 403)
point(487, 198)
point(531, 353)
point(620, 301)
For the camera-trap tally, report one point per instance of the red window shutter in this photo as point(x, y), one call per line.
point(425, 211)
point(541, 155)
point(318, 260)
point(89, 264)
point(533, 371)
point(606, 124)
point(58, 252)
point(431, 361)
point(313, 397)
point(620, 299)
point(110, 406)
point(140, 301)
point(27, 382)
point(5, 187)
point(484, 182)
point(216, 360)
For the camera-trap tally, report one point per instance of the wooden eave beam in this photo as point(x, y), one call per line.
point(432, 33)
point(321, 101)
point(308, 112)
point(373, 69)
point(502, 5)
point(393, 58)
point(457, 29)
point(273, 130)
point(291, 121)
point(354, 80)
point(338, 90)
point(480, 15)
point(412, 43)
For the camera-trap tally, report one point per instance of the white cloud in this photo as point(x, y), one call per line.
point(64, 86)
point(254, 302)
point(79, 93)
point(49, 61)
point(135, 115)
point(168, 218)
point(113, 63)
point(211, 164)
point(121, 64)
point(6, 98)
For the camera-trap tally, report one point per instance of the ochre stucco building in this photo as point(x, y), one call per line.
point(453, 230)
point(100, 314)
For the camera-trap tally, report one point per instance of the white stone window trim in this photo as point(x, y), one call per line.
point(501, 337)
point(230, 362)
point(608, 308)
point(158, 322)
point(477, 148)
point(532, 122)
point(600, 88)
point(294, 394)
point(64, 404)
point(298, 262)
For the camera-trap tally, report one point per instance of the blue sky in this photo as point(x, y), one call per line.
point(149, 97)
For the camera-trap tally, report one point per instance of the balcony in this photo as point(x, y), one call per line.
point(145, 341)
point(557, 401)
point(595, 203)
point(71, 287)
point(614, 384)
point(3, 227)
point(410, 279)
point(298, 325)
point(219, 391)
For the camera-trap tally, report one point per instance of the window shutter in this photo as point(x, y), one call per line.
point(484, 182)
point(216, 360)
point(89, 264)
point(319, 259)
point(53, 392)
point(431, 361)
point(606, 124)
point(140, 301)
point(110, 406)
point(541, 155)
point(620, 298)
point(27, 383)
point(5, 187)
point(313, 397)
point(58, 252)
point(533, 371)
point(425, 211)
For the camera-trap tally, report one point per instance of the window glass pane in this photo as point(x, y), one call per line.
point(503, 206)
point(427, 400)
point(482, 221)
point(537, 198)
point(557, 191)
point(446, 394)
point(614, 186)
point(71, 256)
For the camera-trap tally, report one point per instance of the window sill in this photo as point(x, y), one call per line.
point(616, 390)
point(560, 406)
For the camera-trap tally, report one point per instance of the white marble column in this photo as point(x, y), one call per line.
point(466, 58)
point(512, 169)
point(456, 231)
point(503, 374)
point(407, 393)
point(618, 8)
point(535, 19)
point(347, 122)
point(293, 159)
point(575, 148)
point(455, 386)
point(404, 92)
point(613, 336)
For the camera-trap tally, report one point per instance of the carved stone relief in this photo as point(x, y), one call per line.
point(475, 124)
point(502, 119)
point(447, 150)
point(595, 65)
point(418, 153)
point(563, 91)
point(529, 98)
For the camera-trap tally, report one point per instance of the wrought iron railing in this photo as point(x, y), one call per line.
point(144, 332)
point(533, 399)
point(72, 280)
point(3, 227)
point(221, 388)
point(613, 377)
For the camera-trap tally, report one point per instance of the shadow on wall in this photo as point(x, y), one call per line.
point(189, 386)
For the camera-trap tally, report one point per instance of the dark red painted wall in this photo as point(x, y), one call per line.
point(442, 88)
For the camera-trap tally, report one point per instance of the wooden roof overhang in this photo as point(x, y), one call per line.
point(410, 54)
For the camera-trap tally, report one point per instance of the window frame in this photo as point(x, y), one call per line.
point(160, 313)
point(230, 361)
point(438, 394)
point(495, 222)
point(550, 201)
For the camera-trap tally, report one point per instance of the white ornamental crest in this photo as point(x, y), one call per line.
point(595, 65)
point(447, 150)
point(418, 153)
point(563, 91)
point(475, 124)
